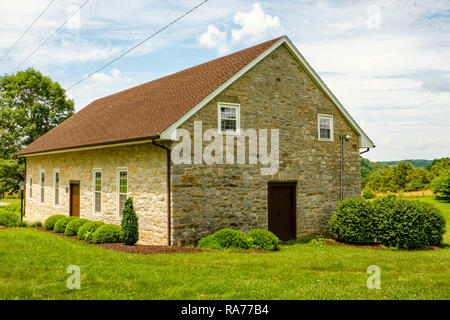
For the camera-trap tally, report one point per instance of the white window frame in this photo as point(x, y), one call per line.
point(30, 187)
point(56, 171)
point(41, 187)
point(238, 118)
point(94, 191)
point(119, 170)
point(329, 117)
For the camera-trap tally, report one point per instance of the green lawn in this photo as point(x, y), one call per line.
point(33, 266)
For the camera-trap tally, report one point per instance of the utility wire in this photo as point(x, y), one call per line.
point(50, 36)
point(28, 29)
point(137, 45)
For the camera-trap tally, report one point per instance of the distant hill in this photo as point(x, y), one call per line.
point(415, 162)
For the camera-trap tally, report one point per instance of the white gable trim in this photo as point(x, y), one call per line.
point(365, 142)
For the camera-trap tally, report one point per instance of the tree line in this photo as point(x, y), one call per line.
point(403, 176)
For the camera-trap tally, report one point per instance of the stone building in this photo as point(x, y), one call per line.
point(130, 144)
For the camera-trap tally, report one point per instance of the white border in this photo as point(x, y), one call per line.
point(325, 116)
point(118, 189)
point(235, 106)
point(94, 171)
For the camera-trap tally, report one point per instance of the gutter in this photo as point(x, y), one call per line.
point(367, 150)
point(169, 215)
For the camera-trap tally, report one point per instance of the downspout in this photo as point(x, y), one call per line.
point(367, 150)
point(342, 138)
point(169, 216)
point(25, 188)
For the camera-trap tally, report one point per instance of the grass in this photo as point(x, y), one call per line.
point(33, 266)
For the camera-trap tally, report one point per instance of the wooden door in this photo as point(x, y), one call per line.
point(282, 210)
point(75, 199)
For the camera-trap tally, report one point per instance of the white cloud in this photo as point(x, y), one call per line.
point(214, 38)
point(114, 76)
point(255, 25)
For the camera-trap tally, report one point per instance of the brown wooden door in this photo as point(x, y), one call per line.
point(282, 210)
point(75, 199)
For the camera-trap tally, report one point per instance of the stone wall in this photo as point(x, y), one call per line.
point(147, 174)
point(207, 198)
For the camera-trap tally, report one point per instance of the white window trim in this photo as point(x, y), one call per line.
point(94, 171)
point(40, 186)
point(30, 187)
point(55, 171)
point(325, 116)
point(118, 189)
point(236, 106)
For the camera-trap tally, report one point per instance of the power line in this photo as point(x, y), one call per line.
point(28, 29)
point(137, 45)
point(49, 37)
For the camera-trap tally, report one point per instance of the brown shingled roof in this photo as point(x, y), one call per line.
point(144, 111)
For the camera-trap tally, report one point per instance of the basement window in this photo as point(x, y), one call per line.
point(229, 118)
point(325, 127)
point(97, 191)
point(122, 187)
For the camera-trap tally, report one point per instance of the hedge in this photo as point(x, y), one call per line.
point(61, 224)
point(49, 223)
point(263, 239)
point(389, 221)
point(108, 233)
point(9, 219)
point(73, 226)
point(86, 231)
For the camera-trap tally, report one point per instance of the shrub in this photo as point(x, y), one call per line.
point(210, 242)
point(263, 239)
point(61, 224)
point(9, 219)
point(130, 228)
point(36, 224)
point(441, 185)
point(22, 224)
point(367, 193)
point(434, 224)
point(352, 221)
point(86, 231)
point(73, 226)
point(229, 238)
point(108, 233)
point(49, 223)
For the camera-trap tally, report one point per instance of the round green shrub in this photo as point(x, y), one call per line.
point(263, 239)
point(352, 221)
point(61, 224)
point(367, 193)
point(108, 233)
point(9, 219)
point(229, 238)
point(49, 223)
point(210, 242)
point(434, 224)
point(130, 228)
point(36, 224)
point(86, 231)
point(73, 226)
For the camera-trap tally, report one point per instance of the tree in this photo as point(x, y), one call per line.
point(30, 105)
point(440, 165)
point(401, 173)
point(130, 228)
point(441, 185)
point(419, 179)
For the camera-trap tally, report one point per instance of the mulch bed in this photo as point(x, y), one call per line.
point(142, 249)
point(373, 246)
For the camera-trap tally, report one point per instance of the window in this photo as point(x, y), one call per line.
point(42, 186)
point(30, 187)
point(229, 118)
point(97, 191)
point(56, 185)
point(122, 187)
point(325, 127)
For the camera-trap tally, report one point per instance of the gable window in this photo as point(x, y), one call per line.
point(30, 187)
point(56, 185)
point(325, 127)
point(97, 191)
point(42, 177)
point(229, 118)
point(122, 188)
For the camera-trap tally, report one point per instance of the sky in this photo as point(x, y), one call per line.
point(388, 62)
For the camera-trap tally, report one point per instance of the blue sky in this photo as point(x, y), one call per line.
point(388, 62)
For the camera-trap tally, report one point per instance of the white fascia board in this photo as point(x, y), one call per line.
point(365, 142)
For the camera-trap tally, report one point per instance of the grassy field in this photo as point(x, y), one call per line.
point(33, 266)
